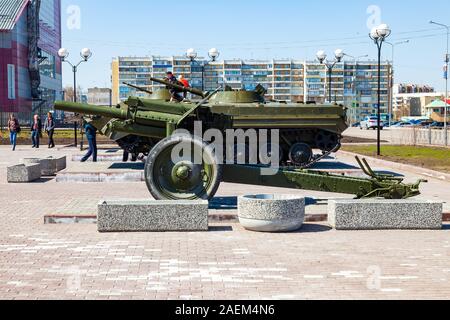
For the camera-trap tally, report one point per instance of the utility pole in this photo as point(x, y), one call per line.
point(447, 60)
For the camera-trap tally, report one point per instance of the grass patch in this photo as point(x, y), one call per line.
point(427, 157)
point(61, 137)
point(26, 134)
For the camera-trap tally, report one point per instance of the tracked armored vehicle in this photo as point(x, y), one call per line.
point(303, 127)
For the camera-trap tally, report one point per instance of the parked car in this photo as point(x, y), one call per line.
point(437, 125)
point(371, 123)
point(426, 124)
point(356, 125)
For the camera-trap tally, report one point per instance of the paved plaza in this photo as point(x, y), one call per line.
point(60, 261)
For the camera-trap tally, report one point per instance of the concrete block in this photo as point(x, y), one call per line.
point(22, 173)
point(385, 214)
point(61, 163)
point(48, 165)
point(147, 216)
point(271, 213)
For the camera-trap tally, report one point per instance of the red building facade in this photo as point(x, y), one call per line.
point(30, 72)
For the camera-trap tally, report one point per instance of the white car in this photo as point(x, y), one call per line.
point(371, 123)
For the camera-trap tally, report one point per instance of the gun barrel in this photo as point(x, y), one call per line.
point(137, 87)
point(180, 88)
point(88, 109)
point(147, 117)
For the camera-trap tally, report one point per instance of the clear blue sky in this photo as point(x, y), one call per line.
point(258, 29)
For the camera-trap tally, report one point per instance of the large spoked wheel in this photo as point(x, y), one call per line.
point(182, 167)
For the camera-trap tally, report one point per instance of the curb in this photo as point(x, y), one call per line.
point(212, 218)
point(400, 166)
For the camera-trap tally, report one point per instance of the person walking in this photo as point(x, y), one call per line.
point(36, 131)
point(49, 127)
point(91, 136)
point(14, 130)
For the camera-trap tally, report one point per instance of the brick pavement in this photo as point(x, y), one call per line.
point(76, 262)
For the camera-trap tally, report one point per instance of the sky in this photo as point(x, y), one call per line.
point(254, 29)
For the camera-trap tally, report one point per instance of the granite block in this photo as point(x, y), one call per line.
point(148, 216)
point(271, 213)
point(61, 163)
point(48, 165)
point(385, 214)
point(23, 173)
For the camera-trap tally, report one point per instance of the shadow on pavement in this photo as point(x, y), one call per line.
point(223, 203)
point(127, 165)
point(313, 228)
point(333, 165)
point(395, 174)
point(43, 180)
point(221, 229)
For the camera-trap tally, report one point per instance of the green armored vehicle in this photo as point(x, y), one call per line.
point(152, 127)
point(303, 127)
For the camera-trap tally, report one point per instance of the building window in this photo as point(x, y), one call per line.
point(48, 66)
point(11, 82)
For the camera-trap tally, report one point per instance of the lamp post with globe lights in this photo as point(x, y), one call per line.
point(192, 55)
point(322, 57)
point(85, 54)
point(379, 35)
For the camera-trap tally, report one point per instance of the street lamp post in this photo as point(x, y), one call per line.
point(322, 57)
point(391, 104)
point(447, 60)
point(379, 35)
point(85, 55)
point(192, 55)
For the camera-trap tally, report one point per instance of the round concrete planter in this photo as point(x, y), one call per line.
point(271, 213)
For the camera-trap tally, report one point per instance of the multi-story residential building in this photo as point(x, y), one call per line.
point(30, 72)
point(99, 96)
point(353, 84)
point(361, 88)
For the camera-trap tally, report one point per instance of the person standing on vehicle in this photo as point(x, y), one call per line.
point(49, 127)
point(174, 93)
point(36, 131)
point(14, 130)
point(91, 136)
point(185, 83)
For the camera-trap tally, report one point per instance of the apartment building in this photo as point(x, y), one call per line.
point(353, 84)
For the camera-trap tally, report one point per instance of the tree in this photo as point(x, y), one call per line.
point(68, 93)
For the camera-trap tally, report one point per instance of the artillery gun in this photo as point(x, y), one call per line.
point(152, 127)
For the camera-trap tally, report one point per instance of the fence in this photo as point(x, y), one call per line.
point(26, 118)
point(418, 136)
